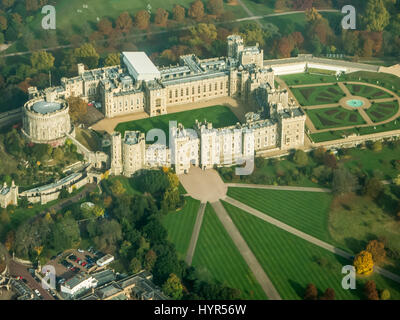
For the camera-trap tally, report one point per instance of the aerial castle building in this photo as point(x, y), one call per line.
point(137, 85)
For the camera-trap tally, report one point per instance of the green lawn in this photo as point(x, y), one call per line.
point(324, 94)
point(306, 211)
point(334, 117)
point(220, 116)
point(68, 17)
point(216, 252)
point(292, 263)
point(388, 81)
point(338, 134)
point(306, 78)
point(369, 161)
point(127, 183)
point(355, 220)
point(367, 91)
point(180, 225)
point(382, 111)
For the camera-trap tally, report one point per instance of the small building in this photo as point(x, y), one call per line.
point(8, 195)
point(78, 284)
point(107, 259)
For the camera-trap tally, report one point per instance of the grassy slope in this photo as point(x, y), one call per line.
point(180, 225)
point(306, 211)
point(292, 263)
point(216, 251)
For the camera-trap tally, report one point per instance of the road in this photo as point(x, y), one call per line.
point(17, 269)
point(195, 234)
point(247, 254)
point(283, 188)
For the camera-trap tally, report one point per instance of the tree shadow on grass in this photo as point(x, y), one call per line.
point(298, 288)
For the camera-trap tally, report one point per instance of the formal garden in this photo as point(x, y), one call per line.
point(334, 117)
point(318, 95)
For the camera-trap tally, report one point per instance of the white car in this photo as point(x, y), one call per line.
point(37, 292)
point(81, 251)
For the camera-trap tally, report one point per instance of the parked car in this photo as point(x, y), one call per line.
point(84, 263)
point(72, 257)
point(81, 251)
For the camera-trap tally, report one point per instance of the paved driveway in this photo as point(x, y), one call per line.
point(203, 185)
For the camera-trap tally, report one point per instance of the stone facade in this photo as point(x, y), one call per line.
point(46, 120)
point(8, 195)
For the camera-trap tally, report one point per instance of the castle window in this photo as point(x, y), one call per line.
point(222, 85)
point(187, 91)
point(198, 90)
point(170, 94)
point(192, 90)
point(176, 93)
point(216, 86)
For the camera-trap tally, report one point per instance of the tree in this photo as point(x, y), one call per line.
point(42, 61)
point(300, 158)
point(385, 294)
point(105, 26)
point(311, 292)
point(112, 59)
point(196, 10)
point(363, 263)
point(215, 7)
point(77, 107)
point(329, 294)
point(376, 16)
point(178, 13)
point(7, 3)
point(124, 22)
point(63, 193)
point(377, 250)
point(373, 188)
point(150, 259)
point(161, 17)
point(88, 55)
point(173, 287)
point(285, 47)
point(142, 19)
point(117, 188)
point(3, 23)
point(135, 265)
point(370, 290)
point(343, 181)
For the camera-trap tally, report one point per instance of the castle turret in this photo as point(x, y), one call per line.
point(116, 153)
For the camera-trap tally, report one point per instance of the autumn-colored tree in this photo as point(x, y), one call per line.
point(311, 292)
point(285, 47)
point(142, 19)
point(370, 290)
point(112, 59)
point(312, 15)
point(376, 16)
point(7, 3)
point(173, 287)
point(329, 294)
point(10, 239)
point(178, 13)
point(117, 188)
point(363, 263)
point(105, 26)
point(196, 10)
point(124, 22)
point(161, 17)
point(150, 259)
point(298, 38)
point(377, 250)
point(42, 60)
point(77, 108)
point(215, 6)
point(107, 201)
point(3, 23)
point(385, 294)
point(281, 5)
point(135, 265)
